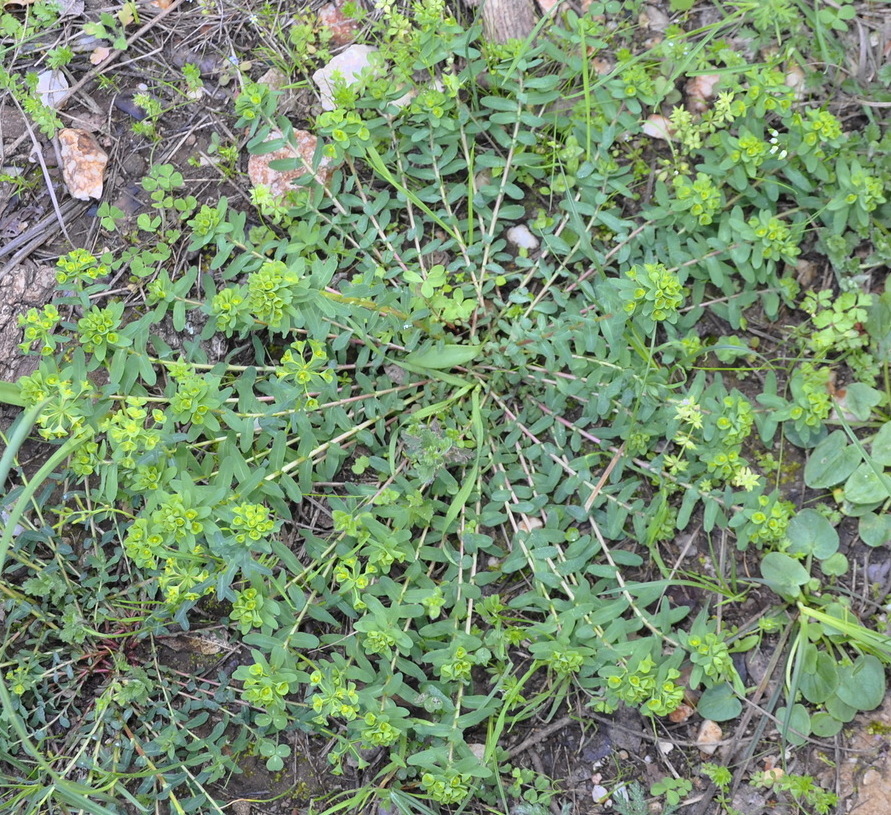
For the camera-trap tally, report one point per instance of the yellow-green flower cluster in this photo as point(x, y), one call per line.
point(79, 266)
point(378, 732)
point(335, 697)
point(270, 294)
point(263, 687)
point(304, 362)
point(99, 329)
point(179, 580)
point(655, 291)
point(246, 609)
point(749, 150)
point(226, 307)
point(39, 326)
point(700, 197)
point(450, 787)
point(770, 520)
point(64, 412)
point(127, 433)
point(818, 127)
point(251, 523)
point(654, 691)
point(179, 521)
point(142, 544)
point(189, 403)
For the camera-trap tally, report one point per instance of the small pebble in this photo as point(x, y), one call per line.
point(125, 103)
point(709, 737)
point(52, 86)
point(599, 793)
point(522, 238)
point(657, 127)
point(17, 529)
point(133, 164)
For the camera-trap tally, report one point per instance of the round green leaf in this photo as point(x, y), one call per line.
point(831, 461)
point(839, 710)
point(810, 533)
point(835, 565)
point(817, 683)
point(874, 529)
point(783, 574)
point(867, 486)
point(859, 400)
point(859, 510)
point(862, 685)
point(795, 725)
point(825, 726)
point(719, 703)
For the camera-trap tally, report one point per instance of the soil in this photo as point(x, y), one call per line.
point(576, 748)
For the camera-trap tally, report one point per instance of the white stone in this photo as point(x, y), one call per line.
point(657, 127)
point(51, 88)
point(522, 238)
point(795, 79)
point(16, 530)
point(599, 793)
point(348, 65)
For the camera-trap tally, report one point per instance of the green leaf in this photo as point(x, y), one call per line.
point(839, 709)
point(783, 574)
point(461, 497)
point(817, 682)
point(825, 726)
point(859, 400)
point(512, 212)
point(831, 462)
point(9, 394)
point(881, 446)
point(451, 379)
point(719, 703)
point(875, 529)
point(810, 533)
point(302, 641)
point(444, 356)
point(867, 486)
point(795, 724)
point(878, 324)
point(835, 565)
point(262, 641)
point(862, 685)
point(288, 558)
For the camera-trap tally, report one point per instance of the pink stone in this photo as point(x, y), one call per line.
point(281, 182)
point(83, 163)
point(343, 29)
